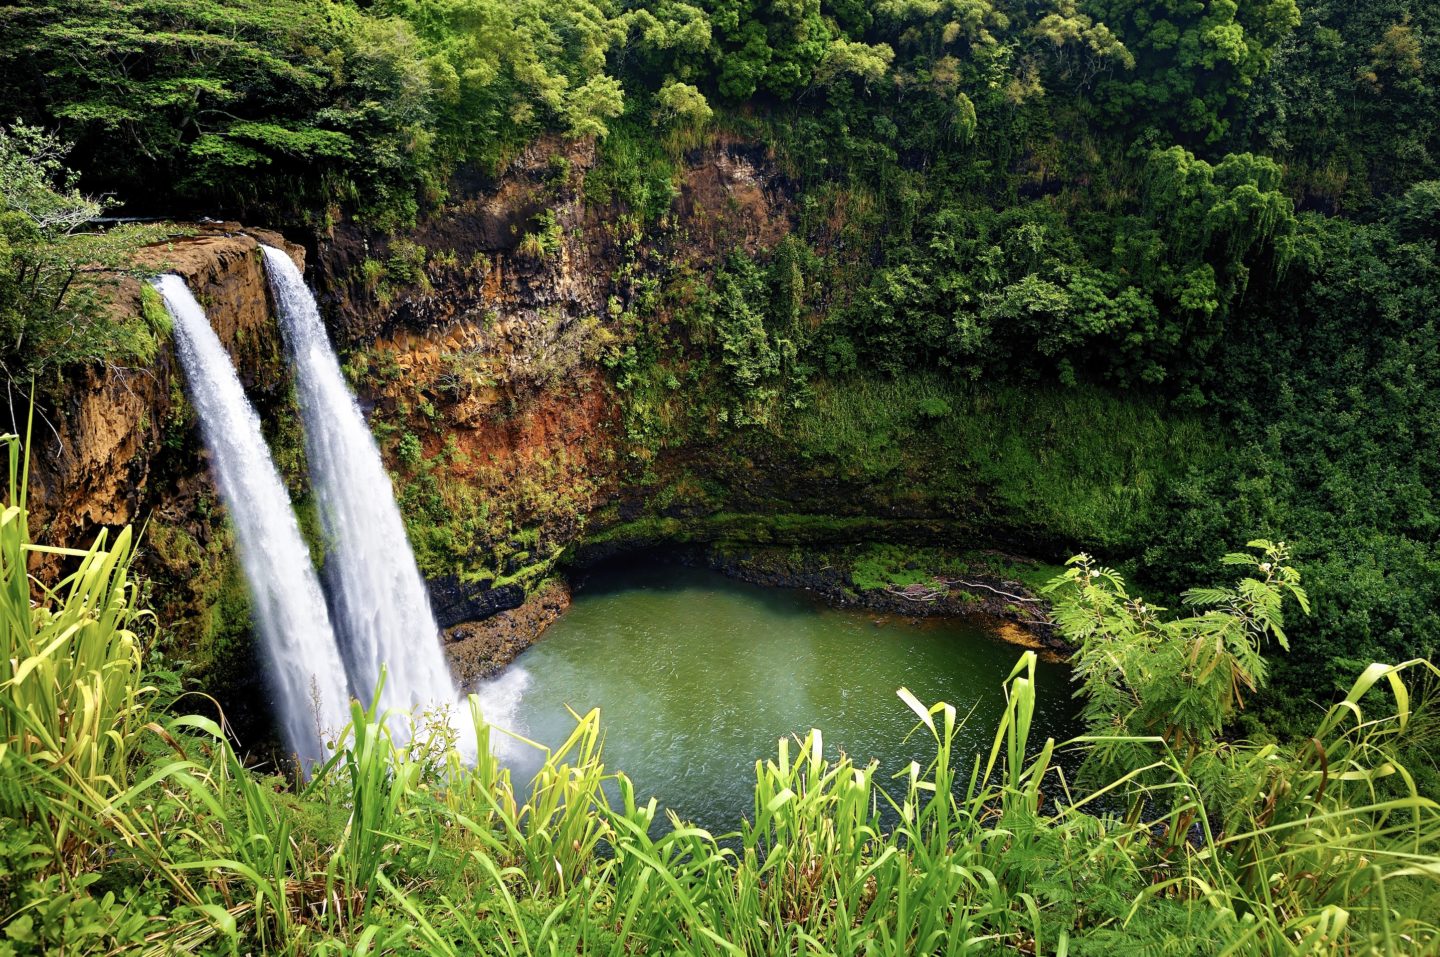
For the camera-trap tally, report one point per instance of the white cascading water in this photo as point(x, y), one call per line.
point(305, 670)
point(499, 699)
point(382, 609)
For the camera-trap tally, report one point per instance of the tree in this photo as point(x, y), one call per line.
point(598, 99)
point(36, 186)
point(1080, 48)
point(52, 271)
point(1194, 61)
point(669, 41)
point(1352, 104)
point(294, 94)
point(773, 46)
point(1200, 230)
point(866, 62)
point(681, 104)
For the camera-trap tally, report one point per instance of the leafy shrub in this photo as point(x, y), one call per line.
point(544, 240)
point(56, 272)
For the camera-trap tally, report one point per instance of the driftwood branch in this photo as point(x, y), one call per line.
point(941, 586)
point(918, 592)
point(951, 582)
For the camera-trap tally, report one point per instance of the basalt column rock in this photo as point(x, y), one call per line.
point(454, 601)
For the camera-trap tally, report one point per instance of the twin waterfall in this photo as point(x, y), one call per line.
point(381, 611)
point(312, 695)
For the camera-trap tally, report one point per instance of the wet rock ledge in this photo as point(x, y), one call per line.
point(479, 649)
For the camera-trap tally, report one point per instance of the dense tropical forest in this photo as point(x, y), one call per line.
point(1152, 283)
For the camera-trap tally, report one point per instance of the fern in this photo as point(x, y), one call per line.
point(1177, 679)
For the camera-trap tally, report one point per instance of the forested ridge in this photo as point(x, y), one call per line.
point(1231, 207)
point(1215, 222)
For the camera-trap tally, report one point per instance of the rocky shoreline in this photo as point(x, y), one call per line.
point(481, 648)
point(1015, 613)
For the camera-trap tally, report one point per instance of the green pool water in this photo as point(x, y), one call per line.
point(697, 676)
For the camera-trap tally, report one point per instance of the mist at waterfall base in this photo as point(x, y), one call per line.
point(306, 675)
point(381, 607)
point(698, 676)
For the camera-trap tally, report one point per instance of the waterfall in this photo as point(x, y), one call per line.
point(382, 609)
point(301, 655)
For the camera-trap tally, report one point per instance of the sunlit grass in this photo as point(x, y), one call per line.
point(1078, 461)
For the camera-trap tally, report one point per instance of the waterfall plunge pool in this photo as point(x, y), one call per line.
point(697, 676)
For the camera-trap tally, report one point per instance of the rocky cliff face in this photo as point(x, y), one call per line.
point(485, 341)
point(94, 462)
point(480, 336)
point(483, 286)
point(488, 346)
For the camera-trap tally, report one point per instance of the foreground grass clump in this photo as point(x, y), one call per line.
point(124, 828)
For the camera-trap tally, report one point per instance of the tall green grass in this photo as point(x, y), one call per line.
point(127, 830)
point(70, 663)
